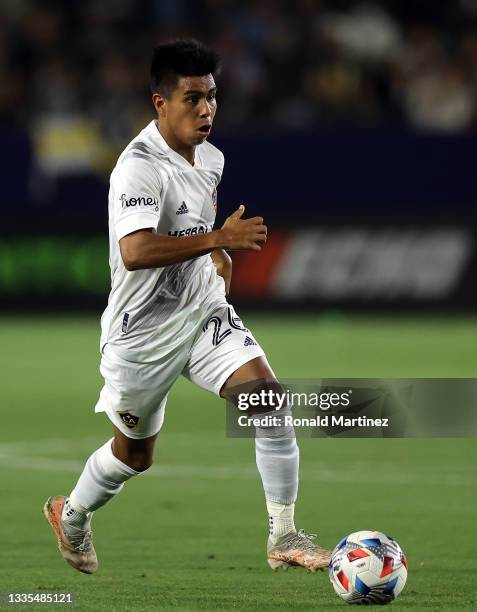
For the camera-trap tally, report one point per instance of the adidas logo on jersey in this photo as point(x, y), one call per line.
point(249, 341)
point(182, 210)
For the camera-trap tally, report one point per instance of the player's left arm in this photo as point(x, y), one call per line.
point(223, 264)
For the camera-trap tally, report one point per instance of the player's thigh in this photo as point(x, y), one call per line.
point(134, 395)
point(222, 348)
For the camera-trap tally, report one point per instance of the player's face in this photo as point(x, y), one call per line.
point(188, 113)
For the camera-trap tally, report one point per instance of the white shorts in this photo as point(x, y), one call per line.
point(134, 394)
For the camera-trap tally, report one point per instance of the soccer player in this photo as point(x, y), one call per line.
point(167, 311)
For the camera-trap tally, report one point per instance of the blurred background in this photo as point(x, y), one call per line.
point(350, 126)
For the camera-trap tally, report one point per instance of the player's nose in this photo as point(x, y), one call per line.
point(205, 110)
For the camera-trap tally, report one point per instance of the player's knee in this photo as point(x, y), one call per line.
point(139, 460)
point(257, 396)
point(135, 453)
point(273, 410)
point(140, 463)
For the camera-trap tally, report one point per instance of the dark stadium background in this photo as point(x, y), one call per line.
point(351, 127)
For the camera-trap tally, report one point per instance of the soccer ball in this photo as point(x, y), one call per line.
point(368, 567)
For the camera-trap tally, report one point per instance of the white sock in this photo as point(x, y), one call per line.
point(280, 519)
point(278, 459)
point(74, 516)
point(102, 478)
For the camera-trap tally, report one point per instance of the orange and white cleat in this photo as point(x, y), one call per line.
point(76, 545)
point(297, 549)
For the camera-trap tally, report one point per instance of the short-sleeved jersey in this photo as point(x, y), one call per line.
point(152, 312)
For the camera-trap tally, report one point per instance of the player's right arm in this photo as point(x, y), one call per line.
point(144, 248)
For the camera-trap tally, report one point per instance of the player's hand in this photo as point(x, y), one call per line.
point(243, 234)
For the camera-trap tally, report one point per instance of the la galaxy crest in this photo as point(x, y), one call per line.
point(129, 419)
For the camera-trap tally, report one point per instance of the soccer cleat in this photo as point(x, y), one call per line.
point(76, 546)
point(297, 549)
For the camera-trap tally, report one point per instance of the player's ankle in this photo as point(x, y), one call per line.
point(280, 519)
point(75, 515)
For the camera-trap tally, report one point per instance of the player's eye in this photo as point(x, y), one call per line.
point(193, 100)
point(211, 97)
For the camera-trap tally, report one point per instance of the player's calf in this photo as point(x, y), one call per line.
point(102, 478)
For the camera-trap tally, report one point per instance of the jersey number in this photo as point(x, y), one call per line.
point(234, 322)
point(217, 337)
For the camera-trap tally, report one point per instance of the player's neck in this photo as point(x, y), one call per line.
point(186, 151)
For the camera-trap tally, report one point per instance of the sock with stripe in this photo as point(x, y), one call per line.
point(280, 519)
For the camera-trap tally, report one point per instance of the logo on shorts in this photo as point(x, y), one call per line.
point(129, 419)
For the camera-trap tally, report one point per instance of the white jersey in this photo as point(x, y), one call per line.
point(151, 313)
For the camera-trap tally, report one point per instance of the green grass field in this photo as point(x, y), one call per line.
point(191, 534)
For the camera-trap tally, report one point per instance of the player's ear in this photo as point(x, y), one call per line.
point(159, 104)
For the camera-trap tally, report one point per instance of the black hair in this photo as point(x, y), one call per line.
point(180, 58)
